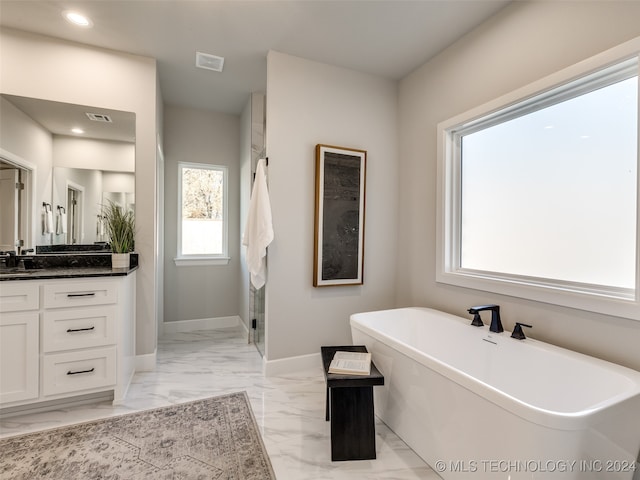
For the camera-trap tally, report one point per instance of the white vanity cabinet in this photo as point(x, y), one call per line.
point(80, 331)
point(19, 343)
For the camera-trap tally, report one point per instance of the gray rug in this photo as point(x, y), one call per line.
point(215, 438)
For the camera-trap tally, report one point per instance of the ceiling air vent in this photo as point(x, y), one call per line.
point(209, 62)
point(99, 117)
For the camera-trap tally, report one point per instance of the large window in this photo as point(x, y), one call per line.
point(540, 197)
point(202, 214)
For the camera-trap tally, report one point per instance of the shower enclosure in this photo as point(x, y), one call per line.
point(257, 296)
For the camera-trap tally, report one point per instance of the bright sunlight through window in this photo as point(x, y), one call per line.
point(544, 192)
point(202, 230)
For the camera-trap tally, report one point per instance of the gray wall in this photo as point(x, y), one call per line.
point(200, 292)
point(310, 103)
point(521, 44)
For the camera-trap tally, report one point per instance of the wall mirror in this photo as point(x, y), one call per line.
point(84, 156)
point(15, 204)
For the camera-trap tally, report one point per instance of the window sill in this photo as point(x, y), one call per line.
point(200, 261)
point(622, 303)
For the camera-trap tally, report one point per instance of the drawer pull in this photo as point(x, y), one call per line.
point(80, 371)
point(70, 330)
point(71, 295)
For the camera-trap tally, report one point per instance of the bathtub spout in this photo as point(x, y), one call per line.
point(496, 323)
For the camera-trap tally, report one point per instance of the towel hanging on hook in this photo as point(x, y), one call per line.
point(61, 220)
point(47, 219)
point(258, 232)
point(266, 162)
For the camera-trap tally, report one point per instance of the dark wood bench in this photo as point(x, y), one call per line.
point(349, 406)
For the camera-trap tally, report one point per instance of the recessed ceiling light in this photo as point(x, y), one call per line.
point(77, 19)
point(77, 131)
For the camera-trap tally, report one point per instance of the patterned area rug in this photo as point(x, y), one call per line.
point(215, 438)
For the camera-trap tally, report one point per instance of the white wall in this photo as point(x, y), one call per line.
point(198, 136)
point(523, 43)
point(310, 103)
point(74, 152)
point(22, 136)
point(52, 69)
point(85, 161)
point(118, 182)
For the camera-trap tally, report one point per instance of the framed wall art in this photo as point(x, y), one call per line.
point(339, 216)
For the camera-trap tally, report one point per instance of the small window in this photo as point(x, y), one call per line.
point(541, 196)
point(202, 214)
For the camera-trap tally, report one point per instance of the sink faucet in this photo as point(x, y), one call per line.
point(496, 323)
point(10, 259)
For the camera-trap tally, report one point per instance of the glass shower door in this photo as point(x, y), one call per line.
point(257, 312)
point(257, 297)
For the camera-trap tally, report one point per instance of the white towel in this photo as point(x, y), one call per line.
point(63, 223)
point(258, 233)
point(47, 224)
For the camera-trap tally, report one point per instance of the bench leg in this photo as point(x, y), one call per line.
point(326, 407)
point(353, 435)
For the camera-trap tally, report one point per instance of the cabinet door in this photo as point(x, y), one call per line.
point(19, 357)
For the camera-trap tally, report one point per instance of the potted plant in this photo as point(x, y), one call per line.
point(120, 227)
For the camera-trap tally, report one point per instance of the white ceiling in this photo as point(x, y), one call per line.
point(59, 118)
point(389, 38)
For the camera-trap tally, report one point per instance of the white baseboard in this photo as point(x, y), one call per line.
point(283, 366)
point(146, 363)
point(182, 326)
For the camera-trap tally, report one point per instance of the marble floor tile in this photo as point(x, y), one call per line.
point(289, 409)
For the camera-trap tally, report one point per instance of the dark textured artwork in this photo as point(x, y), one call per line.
point(340, 222)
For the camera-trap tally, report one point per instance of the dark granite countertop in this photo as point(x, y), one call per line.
point(64, 272)
point(43, 267)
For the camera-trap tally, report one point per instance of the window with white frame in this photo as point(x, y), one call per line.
point(202, 214)
point(539, 197)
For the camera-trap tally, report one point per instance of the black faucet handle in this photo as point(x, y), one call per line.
point(517, 333)
point(477, 320)
point(481, 308)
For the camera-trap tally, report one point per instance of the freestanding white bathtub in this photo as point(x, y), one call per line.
point(476, 404)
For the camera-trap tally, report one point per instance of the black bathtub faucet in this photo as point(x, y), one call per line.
point(496, 323)
point(517, 333)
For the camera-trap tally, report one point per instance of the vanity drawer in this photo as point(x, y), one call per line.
point(77, 371)
point(19, 296)
point(78, 328)
point(79, 294)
